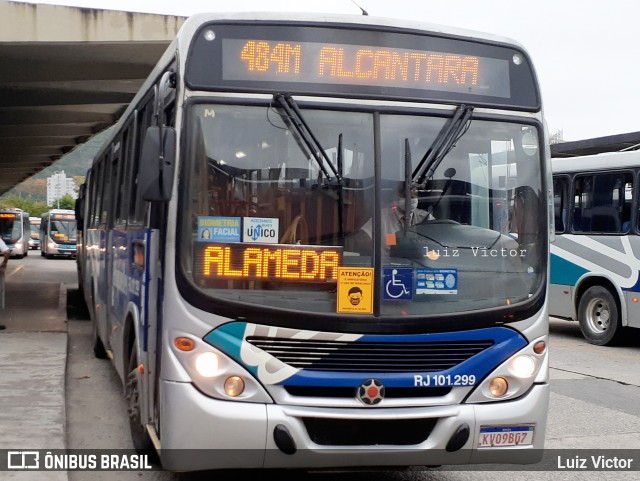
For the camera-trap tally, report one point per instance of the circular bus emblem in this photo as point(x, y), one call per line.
point(371, 392)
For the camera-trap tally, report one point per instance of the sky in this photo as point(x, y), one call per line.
point(586, 52)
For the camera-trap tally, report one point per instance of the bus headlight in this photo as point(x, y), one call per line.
point(52, 245)
point(207, 364)
point(215, 374)
point(522, 366)
point(515, 376)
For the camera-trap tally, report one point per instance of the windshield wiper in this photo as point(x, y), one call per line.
point(296, 119)
point(442, 145)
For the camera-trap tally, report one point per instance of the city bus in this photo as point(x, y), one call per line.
point(595, 257)
point(34, 239)
point(15, 231)
point(58, 233)
point(239, 274)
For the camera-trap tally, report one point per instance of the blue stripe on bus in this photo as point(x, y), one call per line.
point(564, 272)
point(229, 338)
point(507, 343)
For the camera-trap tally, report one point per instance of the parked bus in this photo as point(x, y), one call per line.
point(58, 233)
point(595, 259)
point(15, 230)
point(239, 275)
point(34, 239)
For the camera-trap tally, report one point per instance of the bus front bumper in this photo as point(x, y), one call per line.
point(201, 433)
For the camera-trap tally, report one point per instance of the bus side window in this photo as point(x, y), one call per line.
point(581, 203)
point(627, 204)
point(144, 119)
point(560, 203)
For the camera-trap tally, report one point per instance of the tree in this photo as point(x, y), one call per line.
point(78, 180)
point(35, 209)
point(65, 202)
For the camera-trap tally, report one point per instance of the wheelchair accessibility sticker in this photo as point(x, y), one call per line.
point(398, 283)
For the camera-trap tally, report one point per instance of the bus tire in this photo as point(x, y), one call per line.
point(599, 316)
point(139, 436)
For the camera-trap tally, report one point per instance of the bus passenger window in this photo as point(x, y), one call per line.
point(560, 203)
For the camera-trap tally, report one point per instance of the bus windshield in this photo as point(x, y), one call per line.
point(271, 219)
point(10, 228)
point(63, 231)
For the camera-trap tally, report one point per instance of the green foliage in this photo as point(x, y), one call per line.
point(65, 202)
point(34, 208)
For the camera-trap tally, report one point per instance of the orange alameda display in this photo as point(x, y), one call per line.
point(252, 261)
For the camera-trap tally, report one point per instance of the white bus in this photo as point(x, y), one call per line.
point(15, 230)
point(58, 233)
point(595, 258)
point(238, 271)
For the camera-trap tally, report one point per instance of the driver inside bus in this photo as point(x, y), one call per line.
point(393, 219)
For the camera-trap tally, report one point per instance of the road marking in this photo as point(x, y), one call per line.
point(12, 273)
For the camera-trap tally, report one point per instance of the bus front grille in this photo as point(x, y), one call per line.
point(350, 392)
point(338, 356)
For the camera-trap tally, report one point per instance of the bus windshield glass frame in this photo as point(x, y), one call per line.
point(266, 227)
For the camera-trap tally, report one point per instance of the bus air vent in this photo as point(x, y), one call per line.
point(368, 432)
point(337, 356)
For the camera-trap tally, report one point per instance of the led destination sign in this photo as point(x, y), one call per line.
point(272, 262)
point(329, 63)
point(348, 61)
point(63, 217)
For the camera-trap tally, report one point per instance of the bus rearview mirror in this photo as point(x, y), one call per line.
point(157, 165)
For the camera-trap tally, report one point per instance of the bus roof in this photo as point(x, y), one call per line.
point(14, 210)
point(604, 161)
point(194, 22)
point(59, 211)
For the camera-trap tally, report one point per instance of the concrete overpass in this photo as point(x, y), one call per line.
point(67, 74)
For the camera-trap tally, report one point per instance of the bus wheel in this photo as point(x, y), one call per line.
point(141, 440)
point(599, 317)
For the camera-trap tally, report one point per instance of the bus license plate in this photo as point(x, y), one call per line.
point(498, 436)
